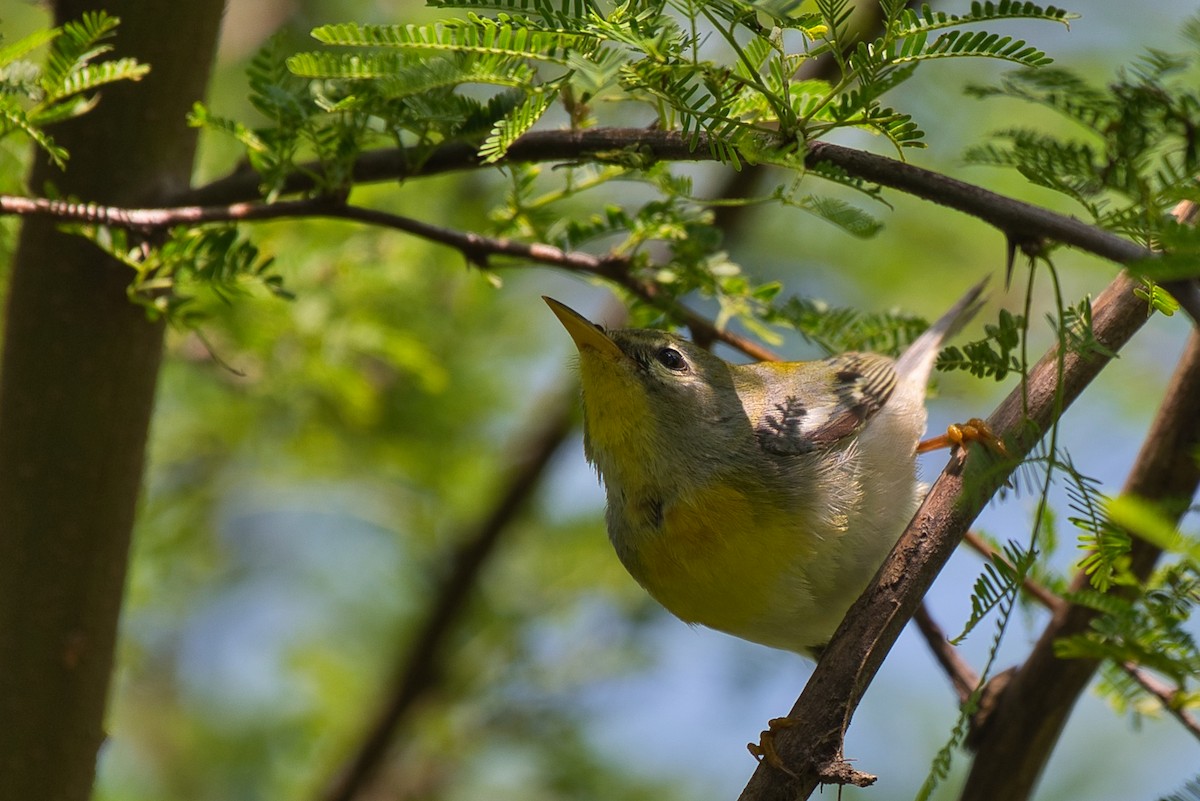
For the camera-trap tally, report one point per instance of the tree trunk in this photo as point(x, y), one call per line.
point(76, 389)
point(1019, 735)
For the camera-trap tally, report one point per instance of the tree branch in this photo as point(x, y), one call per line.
point(812, 749)
point(422, 663)
point(962, 676)
point(1022, 223)
point(1013, 747)
point(476, 248)
point(1166, 695)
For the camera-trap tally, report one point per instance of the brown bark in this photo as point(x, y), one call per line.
point(812, 748)
point(1014, 746)
point(76, 390)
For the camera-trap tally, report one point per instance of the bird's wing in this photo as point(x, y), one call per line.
point(811, 419)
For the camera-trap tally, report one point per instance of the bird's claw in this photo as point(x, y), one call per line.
point(764, 750)
point(959, 434)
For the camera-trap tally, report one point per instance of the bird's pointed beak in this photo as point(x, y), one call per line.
point(583, 331)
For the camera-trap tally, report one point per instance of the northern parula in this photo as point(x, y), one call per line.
point(756, 499)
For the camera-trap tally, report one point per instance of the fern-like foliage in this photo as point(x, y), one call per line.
point(564, 14)
point(518, 121)
point(1133, 155)
point(996, 589)
point(726, 74)
point(1148, 624)
point(1105, 545)
point(1149, 630)
point(171, 281)
point(34, 96)
point(840, 329)
point(995, 355)
point(742, 104)
point(480, 35)
point(998, 584)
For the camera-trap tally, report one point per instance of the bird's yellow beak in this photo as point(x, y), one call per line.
point(585, 333)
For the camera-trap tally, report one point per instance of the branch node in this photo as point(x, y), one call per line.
point(988, 698)
point(839, 772)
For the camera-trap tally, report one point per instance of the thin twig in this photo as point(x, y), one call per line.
point(1022, 223)
point(962, 675)
point(1167, 696)
point(618, 270)
point(1033, 588)
point(476, 248)
point(422, 663)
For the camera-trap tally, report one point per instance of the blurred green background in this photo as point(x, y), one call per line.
point(298, 513)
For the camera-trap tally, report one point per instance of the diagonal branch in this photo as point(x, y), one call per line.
point(1166, 695)
point(422, 663)
point(476, 248)
point(812, 749)
point(618, 270)
point(1012, 749)
point(962, 676)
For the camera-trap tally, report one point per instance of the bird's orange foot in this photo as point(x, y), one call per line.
point(764, 749)
point(959, 434)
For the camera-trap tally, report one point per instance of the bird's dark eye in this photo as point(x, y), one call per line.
point(671, 359)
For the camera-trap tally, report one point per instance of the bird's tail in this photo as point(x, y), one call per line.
point(917, 360)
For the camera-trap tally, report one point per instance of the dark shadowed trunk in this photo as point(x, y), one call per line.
point(76, 389)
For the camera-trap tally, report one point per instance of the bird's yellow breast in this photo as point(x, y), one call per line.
point(719, 558)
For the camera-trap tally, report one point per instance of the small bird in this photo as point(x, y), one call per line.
point(756, 499)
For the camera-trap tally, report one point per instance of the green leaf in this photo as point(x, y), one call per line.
point(200, 117)
point(513, 125)
point(399, 75)
point(840, 329)
point(13, 118)
point(998, 584)
point(1157, 299)
point(849, 218)
point(478, 35)
point(995, 355)
point(27, 44)
point(85, 79)
point(954, 44)
point(1148, 522)
point(567, 13)
point(78, 44)
point(928, 19)
point(33, 97)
